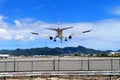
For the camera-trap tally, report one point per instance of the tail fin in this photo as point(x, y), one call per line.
point(58, 19)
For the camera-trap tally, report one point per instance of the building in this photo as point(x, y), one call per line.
point(4, 55)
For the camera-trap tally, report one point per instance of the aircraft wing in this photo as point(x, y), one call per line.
point(51, 29)
point(67, 28)
point(51, 37)
point(44, 35)
point(75, 34)
point(35, 33)
point(86, 31)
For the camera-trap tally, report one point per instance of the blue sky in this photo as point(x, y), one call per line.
point(47, 10)
point(19, 17)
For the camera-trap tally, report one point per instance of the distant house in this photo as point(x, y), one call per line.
point(113, 53)
point(4, 55)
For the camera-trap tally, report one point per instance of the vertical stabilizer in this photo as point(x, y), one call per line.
point(58, 20)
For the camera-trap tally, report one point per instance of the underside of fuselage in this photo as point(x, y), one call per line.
point(59, 36)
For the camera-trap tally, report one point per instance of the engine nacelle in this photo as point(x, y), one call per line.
point(70, 37)
point(51, 38)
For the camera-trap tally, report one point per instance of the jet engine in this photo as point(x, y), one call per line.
point(51, 38)
point(70, 37)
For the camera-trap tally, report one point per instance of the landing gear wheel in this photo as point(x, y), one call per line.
point(65, 39)
point(54, 40)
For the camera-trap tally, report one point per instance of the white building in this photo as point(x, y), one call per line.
point(113, 53)
point(4, 55)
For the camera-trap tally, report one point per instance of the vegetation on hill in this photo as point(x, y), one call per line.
point(53, 51)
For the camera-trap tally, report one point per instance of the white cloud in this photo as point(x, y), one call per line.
point(17, 23)
point(19, 37)
point(115, 10)
point(3, 24)
point(4, 35)
point(1, 17)
point(105, 34)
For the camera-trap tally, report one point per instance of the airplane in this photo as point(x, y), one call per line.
point(60, 33)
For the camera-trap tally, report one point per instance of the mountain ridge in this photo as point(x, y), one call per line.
point(53, 51)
